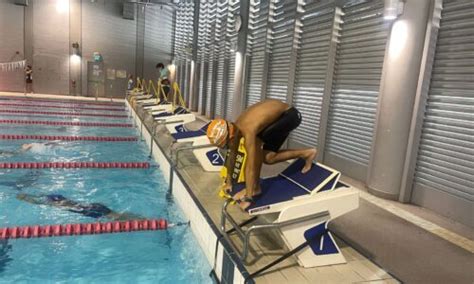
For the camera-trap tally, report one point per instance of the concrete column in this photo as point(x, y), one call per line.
point(323, 123)
point(239, 74)
point(294, 54)
point(225, 82)
point(28, 34)
point(212, 111)
point(204, 70)
point(194, 78)
point(397, 96)
point(75, 36)
point(140, 45)
point(266, 59)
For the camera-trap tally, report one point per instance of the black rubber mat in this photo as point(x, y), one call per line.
point(408, 252)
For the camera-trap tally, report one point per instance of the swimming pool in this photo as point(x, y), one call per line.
point(155, 256)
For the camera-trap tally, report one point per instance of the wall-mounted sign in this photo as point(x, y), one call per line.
point(110, 74)
point(121, 74)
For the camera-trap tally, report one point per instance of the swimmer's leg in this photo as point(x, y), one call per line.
point(284, 155)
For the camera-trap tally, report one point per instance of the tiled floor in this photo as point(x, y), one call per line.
point(404, 211)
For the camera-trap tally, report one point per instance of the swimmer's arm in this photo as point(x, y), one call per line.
point(29, 198)
point(253, 164)
point(230, 161)
point(124, 216)
point(54, 142)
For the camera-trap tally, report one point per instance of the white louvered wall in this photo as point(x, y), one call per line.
point(282, 16)
point(356, 83)
point(231, 43)
point(201, 54)
point(210, 53)
point(221, 24)
point(311, 69)
point(256, 44)
point(446, 153)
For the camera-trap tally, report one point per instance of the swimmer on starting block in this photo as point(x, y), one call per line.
point(93, 210)
point(256, 138)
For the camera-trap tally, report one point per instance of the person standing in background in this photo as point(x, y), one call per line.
point(130, 83)
point(28, 80)
point(165, 82)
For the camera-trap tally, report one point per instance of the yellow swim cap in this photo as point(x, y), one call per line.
point(217, 132)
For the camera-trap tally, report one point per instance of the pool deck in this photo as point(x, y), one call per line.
point(267, 246)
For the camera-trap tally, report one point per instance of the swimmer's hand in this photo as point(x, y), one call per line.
point(224, 191)
point(21, 196)
point(26, 147)
point(29, 198)
point(226, 187)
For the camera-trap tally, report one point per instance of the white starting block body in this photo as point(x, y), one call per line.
point(301, 206)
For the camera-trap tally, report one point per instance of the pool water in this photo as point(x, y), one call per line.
point(170, 256)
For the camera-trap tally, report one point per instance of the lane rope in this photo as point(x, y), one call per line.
point(61, 113)
point(79, 102)
point(66, 123)
point(85, 229)
point(74, 165)
point(61, 107)
point(67, 138)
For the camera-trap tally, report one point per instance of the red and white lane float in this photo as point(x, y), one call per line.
point(64, 123)
point(14, 111)
point(67, 138)
point(73, 107)
point(76, 102)
point(74, 165)
point(85, 229)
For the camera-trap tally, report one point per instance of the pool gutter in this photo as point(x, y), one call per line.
point(227, 266)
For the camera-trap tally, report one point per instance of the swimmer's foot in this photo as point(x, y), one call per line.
point(309, 158)
point(245, 201)
point(239, 195)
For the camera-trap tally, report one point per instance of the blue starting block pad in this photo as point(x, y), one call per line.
point(291, 184)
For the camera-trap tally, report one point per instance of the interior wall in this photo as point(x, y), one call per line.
point(105, 31)
point(11, 41)
point(50, 48)
point(101, 28)
point(158, 26)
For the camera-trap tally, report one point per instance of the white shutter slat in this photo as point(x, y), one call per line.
point(445, 159)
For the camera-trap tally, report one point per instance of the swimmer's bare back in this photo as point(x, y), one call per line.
point(258, 116)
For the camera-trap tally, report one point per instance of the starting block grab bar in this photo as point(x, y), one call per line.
point(244, 235)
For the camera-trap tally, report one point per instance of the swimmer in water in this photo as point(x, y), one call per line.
point(28, 147)
point(23, 182)
point(5, 258)
point(93, 210)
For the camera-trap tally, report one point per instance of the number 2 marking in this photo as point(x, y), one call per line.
point(216, 158)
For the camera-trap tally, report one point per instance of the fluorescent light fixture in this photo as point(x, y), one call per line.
point(398, 39)
point(62, 6)
point(75, 59)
